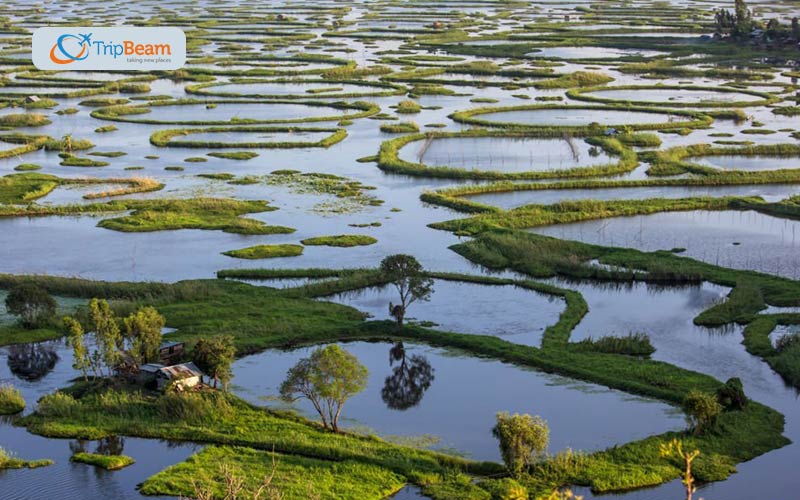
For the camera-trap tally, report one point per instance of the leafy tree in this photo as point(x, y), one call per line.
point(82, 360)
point(106, 332)
point(674, 449)
point(31, 303)
point(406, 273)
point(523, 440)
point(215, 356)
point(702, 410)
point(327, 378)
point(743, 23)
point(143, 332)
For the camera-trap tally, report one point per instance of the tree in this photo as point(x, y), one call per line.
point(31, 303)
point(743, 23)
point(215, 356)
point(106, 333)
point(406, 273)
point(82, 360)
point(674, 449)
point(327, 378)
point(523, 440)
point(143, 332)
point(702, 410)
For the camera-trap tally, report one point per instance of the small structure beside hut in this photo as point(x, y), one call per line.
point(170, 353)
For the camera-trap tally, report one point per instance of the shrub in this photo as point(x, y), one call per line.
point(11, 400)
point(731, 395)
point(57, 404)
point(31, 303)
point(702, 410)
point(408, 107)
point(192, 408)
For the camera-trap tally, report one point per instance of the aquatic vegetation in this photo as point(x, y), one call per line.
point(164, 138)
point(234, 155)
point(107, 462)
point(11, 400)
point(340, 240)
point(694, 119)
point(584, 94)
point(408, 107)
point(389, 157)
point(266, 251)
point(8, 461)
point(400, 128)
point(23, 120)
point(77, 161)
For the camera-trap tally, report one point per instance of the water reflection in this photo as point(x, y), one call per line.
point(31, 361)
point(404, 388)
point(111, 445)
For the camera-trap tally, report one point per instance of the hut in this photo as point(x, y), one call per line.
point(183, 376)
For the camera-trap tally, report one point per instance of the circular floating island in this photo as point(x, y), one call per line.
point(287, 88)
point(252, 137)
point(234, 112)
point(674, 95)
point(581, 120)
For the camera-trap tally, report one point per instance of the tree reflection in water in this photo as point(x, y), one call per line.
point(31, 361)
point(404, 388)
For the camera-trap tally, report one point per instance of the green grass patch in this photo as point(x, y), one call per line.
point(234, 155)
point(340, 240)
point(266, 251)
point(11, 400)
point(107, 462)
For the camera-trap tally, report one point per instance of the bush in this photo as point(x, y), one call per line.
point(192, 408)
point(32, 304)
point(731, 395)
point(505, 489)
point(58, 404)
point(702, 410)
point(11, 400)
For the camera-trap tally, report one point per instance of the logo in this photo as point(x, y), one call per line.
point(64, 55)
point(122, 48)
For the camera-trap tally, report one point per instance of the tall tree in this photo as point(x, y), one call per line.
point(82, 360)
point(31, 303)
point(743, 23)
point(407, 275)
point(215, 356)
point(106, 332)
point(523, 440)
point(327, 378)
point(143, 332)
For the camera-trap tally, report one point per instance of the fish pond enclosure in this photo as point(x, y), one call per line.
point(483, 250)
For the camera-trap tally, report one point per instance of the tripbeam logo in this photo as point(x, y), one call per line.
point(108, 49)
